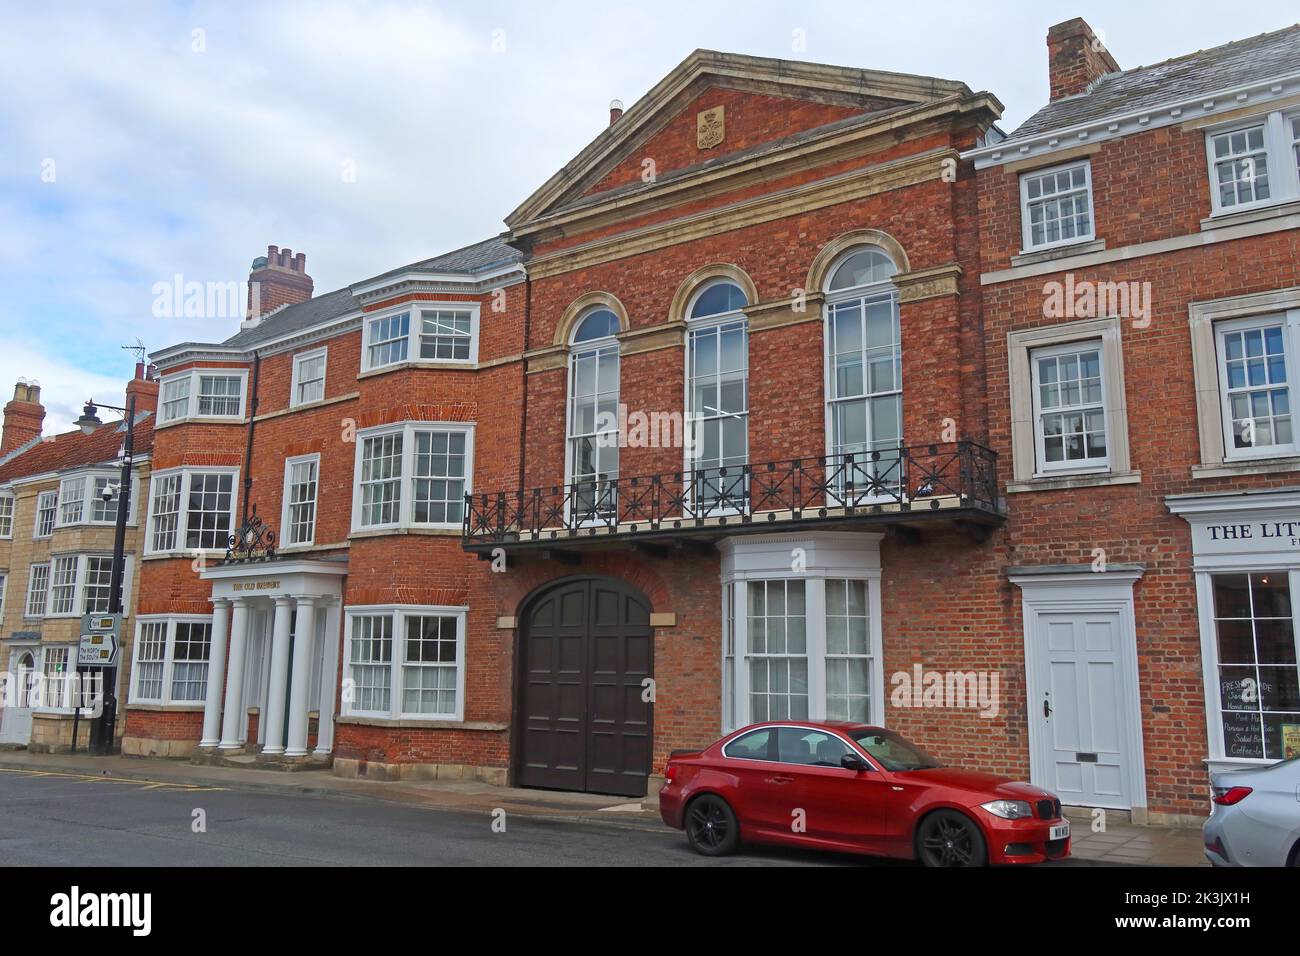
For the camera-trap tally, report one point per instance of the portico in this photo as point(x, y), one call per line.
point(280, 661)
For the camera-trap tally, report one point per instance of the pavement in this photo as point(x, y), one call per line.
point(390, 803)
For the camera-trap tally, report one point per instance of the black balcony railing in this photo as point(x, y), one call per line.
point(957, 480)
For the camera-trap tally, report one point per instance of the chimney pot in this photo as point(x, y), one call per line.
point(278, 280)
point(23, 417)
point(615, 110)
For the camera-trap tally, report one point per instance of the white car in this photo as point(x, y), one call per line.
point(1255, 817)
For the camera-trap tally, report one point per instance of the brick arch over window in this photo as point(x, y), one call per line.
point(696, 280)
point(581, 306)
point(831, 252)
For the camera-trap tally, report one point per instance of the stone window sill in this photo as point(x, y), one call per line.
point(1262, 214)
point(1254, 466)
point(168, 708)
point(1065, 482)
point(386, 532)
point(424, 724)
point(1059, 252)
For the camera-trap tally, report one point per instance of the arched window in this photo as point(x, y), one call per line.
point(592, 451)
point(864, 384)
point(717, 395)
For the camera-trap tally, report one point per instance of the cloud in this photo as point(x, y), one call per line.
point(186, 137)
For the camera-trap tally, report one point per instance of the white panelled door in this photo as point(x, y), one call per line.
point(1078, 698)
point(16, 719)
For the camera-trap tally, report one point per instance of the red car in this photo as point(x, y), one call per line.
point(855, 788)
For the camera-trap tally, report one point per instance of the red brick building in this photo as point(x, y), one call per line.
point(1141, 278)
point(737, 421)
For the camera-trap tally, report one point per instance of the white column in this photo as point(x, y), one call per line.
point(273, 717)
point(300, 683)
point(328, 680)
point(216, 673)
point(231, 722)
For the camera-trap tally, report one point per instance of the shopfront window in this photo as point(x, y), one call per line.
point(1258, 677)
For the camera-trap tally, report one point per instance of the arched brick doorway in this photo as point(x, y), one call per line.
point(586, 650)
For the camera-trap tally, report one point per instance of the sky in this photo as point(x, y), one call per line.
point(141, 140)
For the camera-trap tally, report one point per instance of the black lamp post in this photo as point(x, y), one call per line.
point(102, 731)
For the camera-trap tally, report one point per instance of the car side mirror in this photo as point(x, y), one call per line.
point(853, 762)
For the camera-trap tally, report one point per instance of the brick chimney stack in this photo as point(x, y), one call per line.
point(615, 111)
point(144, 386)
point(1075, 58)
point(277, 279)
point(24, 416)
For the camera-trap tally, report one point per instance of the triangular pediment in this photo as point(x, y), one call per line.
point(719, 105)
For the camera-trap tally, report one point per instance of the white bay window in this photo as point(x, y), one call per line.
point(71, 585)
point(92, 498)
point(423, 332)
point(413, 475)
point(171, 660)
point(405, 662)
point(803, 630)
point(191, 509)
point(204, 393)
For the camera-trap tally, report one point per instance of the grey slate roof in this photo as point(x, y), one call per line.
point(471, 259)
point(294, 318)
point(1185, 77)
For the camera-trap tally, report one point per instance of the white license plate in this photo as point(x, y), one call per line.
point(1060, 831)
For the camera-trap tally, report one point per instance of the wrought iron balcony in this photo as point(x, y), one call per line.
point(898, 488)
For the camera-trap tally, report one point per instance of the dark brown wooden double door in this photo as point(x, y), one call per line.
point(585, 719)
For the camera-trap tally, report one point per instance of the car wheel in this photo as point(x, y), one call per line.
point(949, 838)
point(711, 826)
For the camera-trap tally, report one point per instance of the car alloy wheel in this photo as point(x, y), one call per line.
point(949, 838)
point(711, 826)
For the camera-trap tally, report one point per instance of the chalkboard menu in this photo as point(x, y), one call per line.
point(1242, 688)
point(1242, 735)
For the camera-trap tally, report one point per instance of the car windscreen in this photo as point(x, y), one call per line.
point(892, 751)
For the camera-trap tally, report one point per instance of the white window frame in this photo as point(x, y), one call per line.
point(407, 478)
point(1279, 151)
point(1290, 322)
point(415, 323)
point(870, 293)
point(1022, 346)
point(1073, 467)
point(734, 483)
point(6, 515)
point(296, 383)
point(4, 589)
point(169, 658)
point(192, 399)
point(47, 503)
point(831, 556)
point(182, 521)
point(80, 575)
point(70, 668)
point(34, 609)
point(607, 345)
point(396, 690)
point(1026, 232)
point(286, 508)
point(89, 497)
